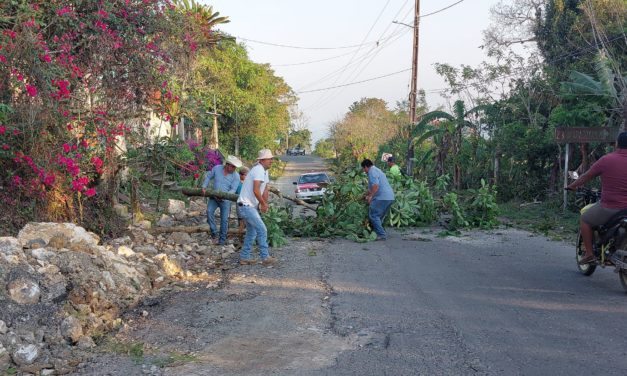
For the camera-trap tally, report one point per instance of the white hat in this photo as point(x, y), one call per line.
point(265, 154)
point(233, 160)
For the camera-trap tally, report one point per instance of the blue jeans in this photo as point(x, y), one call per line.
point(255, 228)
point(225, 209)
point(376, 213)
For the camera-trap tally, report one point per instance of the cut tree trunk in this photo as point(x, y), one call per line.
point(188, 229)
point(233, 197)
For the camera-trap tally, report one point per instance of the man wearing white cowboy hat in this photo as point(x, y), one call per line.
point(255, 194)
point(225, 179)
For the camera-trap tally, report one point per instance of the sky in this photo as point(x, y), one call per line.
point(317, 45)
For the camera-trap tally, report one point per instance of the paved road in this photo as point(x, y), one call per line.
point(504, 302)
point(297, 165)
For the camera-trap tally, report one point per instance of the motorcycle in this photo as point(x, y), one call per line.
point(609, 240)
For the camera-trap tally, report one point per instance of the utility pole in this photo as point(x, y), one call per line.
point(213, 137)
point(413, 91)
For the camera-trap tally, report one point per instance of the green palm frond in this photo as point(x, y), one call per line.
point(606, 76)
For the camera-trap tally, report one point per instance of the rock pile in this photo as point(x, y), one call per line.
point(60, 289)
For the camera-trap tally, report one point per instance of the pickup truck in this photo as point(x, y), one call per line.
point(295, 151)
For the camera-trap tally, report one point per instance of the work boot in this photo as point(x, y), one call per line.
point(269, 261)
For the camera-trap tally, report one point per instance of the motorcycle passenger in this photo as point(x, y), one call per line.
point(612, 168)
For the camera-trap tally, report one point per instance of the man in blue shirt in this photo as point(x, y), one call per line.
point(225, 179)
point(380, 197)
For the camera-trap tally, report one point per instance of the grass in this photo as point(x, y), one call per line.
point(174, 359)
point(546, 218)
point(135, 350)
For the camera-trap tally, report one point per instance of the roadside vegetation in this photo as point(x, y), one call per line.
point(107, 103)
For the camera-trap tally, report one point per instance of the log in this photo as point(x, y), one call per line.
point(188, 229)
point(210, 193)
point(233, 197)
point(294, 200)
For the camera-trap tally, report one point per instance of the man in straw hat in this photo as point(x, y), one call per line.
point(225, 179)
point(254, 199)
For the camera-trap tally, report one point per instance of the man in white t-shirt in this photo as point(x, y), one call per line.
point(254, 195)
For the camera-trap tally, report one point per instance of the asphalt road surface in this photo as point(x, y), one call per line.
point(297, 165)
point(504, 302)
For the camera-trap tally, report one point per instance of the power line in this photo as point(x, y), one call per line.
point(308, 48)
point(312, 61)
point(440, 10)
point(323, 100)
point(354, 83)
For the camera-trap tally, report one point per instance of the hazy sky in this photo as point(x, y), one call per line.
point(321, 28)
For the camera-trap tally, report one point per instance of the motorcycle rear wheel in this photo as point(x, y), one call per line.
point(586, 269)
point(622, 274)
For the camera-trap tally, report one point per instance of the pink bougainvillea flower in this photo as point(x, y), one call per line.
point(66, 148)
point(3, 59)
point(45, 58)
point(3, 130)
point(97, 162)
point(103, 14)
point(19, 77)
point(29, 23)
point(63, 11)
point(84, 143)
point(10, 33)
point(49, 180)
point(17, 181)
point(32, 90)
point(16, 132)
point(5, 147)
point(91, 192)
point(196, 176)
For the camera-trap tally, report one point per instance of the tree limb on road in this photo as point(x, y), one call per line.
point(233, 197)
point(188, 229)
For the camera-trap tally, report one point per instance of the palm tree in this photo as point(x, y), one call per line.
point(447, 137)
point(611, 86)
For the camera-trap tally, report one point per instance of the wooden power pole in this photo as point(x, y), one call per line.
point(413, 91)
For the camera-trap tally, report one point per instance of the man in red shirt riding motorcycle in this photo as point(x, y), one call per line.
point(612, 168)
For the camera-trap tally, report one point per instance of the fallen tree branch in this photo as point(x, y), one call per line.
point(210, 193)
point(188, 229)
point(233, 197)
point(294, 200)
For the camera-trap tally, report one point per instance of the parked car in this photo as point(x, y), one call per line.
point(311, 186)
point(297, 150)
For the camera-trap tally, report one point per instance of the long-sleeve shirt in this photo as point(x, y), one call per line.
point(223, 183)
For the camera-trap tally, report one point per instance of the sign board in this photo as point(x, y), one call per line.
point(581, 135)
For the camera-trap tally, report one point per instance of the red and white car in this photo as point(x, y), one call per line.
point(311, 186)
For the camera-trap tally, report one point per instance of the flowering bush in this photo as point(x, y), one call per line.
point(74, 77)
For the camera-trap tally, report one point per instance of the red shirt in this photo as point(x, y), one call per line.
point(613, 170)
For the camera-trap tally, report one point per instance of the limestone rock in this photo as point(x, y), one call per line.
point(149, 250)
point(125, 251)
point(175, 206)
point(24, 291)
point(46, 230)
point(36, 243)
point(71, 329)
point(10, 245)
point(144, 225)
point(197, 206)
point(25, 355)
point(5, 358)
point(42, 254)
point(179, 238)
point(121, 210)
point(3, 327)
point(165, 221)
point(85, 342)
